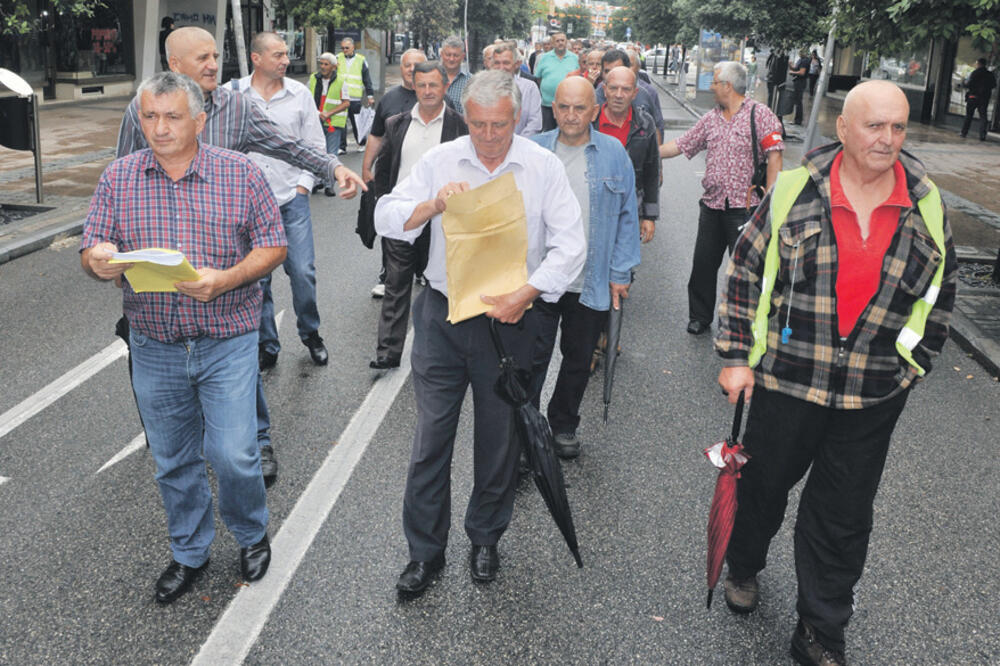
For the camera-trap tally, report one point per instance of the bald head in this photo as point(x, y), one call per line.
point(191, 51)
point(619, 90)
point(872, 128)
point(620, 75)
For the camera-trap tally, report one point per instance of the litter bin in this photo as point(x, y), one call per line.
point(16, 123)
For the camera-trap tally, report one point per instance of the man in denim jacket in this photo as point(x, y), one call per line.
point(601, 175)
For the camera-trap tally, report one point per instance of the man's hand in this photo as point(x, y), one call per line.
point(95, 262)
point(509, 308)
point(325, 116)
point(370, 101)
point(736, 379)
point(647, 229)
point(441, 200)
point(618, 291)
point(208, 287)
point(348, 182)
point(367, 175)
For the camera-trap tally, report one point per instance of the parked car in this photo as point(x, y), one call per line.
point(655, 58)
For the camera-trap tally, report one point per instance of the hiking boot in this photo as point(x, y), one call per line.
point(742, 595)
point(806, 649)
point(566, 445)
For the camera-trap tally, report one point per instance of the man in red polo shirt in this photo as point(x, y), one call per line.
point(856, 253)
point(620, 118)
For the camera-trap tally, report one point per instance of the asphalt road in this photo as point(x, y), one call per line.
point(81, 548)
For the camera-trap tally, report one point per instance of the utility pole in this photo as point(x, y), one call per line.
point(239, 38)
point(824, 78)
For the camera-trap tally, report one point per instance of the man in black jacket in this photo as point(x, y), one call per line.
point(977, 96)
point(428, 124)
point(628, 123)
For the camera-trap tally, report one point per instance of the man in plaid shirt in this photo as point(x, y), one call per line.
point(856, 253)
point(194, 351)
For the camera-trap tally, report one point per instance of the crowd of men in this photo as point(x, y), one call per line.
point(851, 254)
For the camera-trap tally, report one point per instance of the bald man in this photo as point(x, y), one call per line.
point(611, 223)
point(865, 241)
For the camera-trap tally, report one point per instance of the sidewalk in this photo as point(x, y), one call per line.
point(968, 175)
point(78, 142)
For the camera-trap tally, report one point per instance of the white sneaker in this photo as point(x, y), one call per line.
point(361, 149)
point(378, 291)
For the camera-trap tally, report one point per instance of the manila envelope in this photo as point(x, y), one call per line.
point(486, 246)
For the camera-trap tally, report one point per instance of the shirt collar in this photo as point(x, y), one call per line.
point(415, 114)
point(899, 196)
point(604, 120)
point(515, 155)
point(198, 168)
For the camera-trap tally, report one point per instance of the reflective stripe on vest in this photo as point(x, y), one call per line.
point(786, 190)
point(352, 75)
point(333, 100)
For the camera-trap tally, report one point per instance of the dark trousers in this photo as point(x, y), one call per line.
point(352, 110)
point(772, 96)
point(401, 261)
point(797, 94)
point(581, 327)
point(446, 359)
point(548, 119)
point(846, 449)
point(971, 106)
point(717, 230)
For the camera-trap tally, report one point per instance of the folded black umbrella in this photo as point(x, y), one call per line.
point(611, 355)
point(366, 216)
point(512, 387)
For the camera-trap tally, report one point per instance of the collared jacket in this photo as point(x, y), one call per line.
point(644, 151)
point(613, 231)
point(391, 151)
point(815, 364)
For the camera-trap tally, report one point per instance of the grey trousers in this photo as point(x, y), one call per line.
point(446, 359)
point(402, 260)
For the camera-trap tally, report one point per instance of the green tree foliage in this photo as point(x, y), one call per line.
point(430, 20)
point(17, 19)
point(619, 20)
point(341, 13)
point(872, 25)
point(577, 21)
point(656, 21)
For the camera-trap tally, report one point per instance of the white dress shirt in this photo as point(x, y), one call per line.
point(530, 122)
point(293, 109)
point(420, 137)
point(557, 246)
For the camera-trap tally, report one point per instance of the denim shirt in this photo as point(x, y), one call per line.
point(613, 237)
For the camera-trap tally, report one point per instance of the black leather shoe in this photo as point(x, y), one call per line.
point(255, 560)
point(265, 359)
point(417, 576)
point(484, 561)
point(384, 363)
point(316, 348)
point(328, 192)
point(696, 327)
point(268, 466)
point(176, 580)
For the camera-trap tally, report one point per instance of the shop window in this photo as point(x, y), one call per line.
point(965, 61)
point(96, 44)
point(906, 69)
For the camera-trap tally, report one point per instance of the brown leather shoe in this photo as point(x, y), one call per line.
point(742, 596)
point(807, 650)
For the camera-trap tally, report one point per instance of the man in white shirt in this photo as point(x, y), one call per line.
point(448, 357)
point(506, 59)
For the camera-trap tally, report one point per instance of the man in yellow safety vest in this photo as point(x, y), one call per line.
point(352, 70)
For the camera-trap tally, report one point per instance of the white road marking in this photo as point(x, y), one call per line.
point(237, 630)
point(140, 439)
point(130, 448)
point(34, 404)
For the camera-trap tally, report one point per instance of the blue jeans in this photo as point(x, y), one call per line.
point(333, 139)
point(301, 271)
point(197, 399)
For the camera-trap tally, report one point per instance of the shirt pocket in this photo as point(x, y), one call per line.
point(799, 249)
point(921, 262)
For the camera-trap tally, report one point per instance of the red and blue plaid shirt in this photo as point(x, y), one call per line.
point(219, 211)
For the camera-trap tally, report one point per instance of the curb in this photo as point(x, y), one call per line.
point(62, 225)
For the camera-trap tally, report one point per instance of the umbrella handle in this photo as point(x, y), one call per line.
point(737, 419)
point(497, 342)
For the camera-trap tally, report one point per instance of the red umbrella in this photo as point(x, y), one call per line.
point(729, 457)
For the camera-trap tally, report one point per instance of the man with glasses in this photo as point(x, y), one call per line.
point(353, 69)
point(725, 133)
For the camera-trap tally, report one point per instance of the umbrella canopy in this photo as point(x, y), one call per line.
point(729, 457)
point(614, 335)
point(512, 387)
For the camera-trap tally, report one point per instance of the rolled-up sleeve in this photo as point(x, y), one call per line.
point(695, 139)
point(565, 241)
point(394, 209)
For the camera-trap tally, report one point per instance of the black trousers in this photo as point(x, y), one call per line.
point(797, 94)
point(971, 106)
point(846, 449)
point(401, 261)
point(717, 230)
point(548, 119)
point(447, 359)
point(352, 110)
point(581, 327)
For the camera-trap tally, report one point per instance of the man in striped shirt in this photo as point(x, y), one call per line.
point(193, 350)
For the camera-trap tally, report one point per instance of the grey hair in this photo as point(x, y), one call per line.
point(347, 39)
point(412, 51)
point(734, 73)
point(259, 42)
point(429, 66)
point(488, 87)
point(504, 47)
point(453, 42)
point(166, 83)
